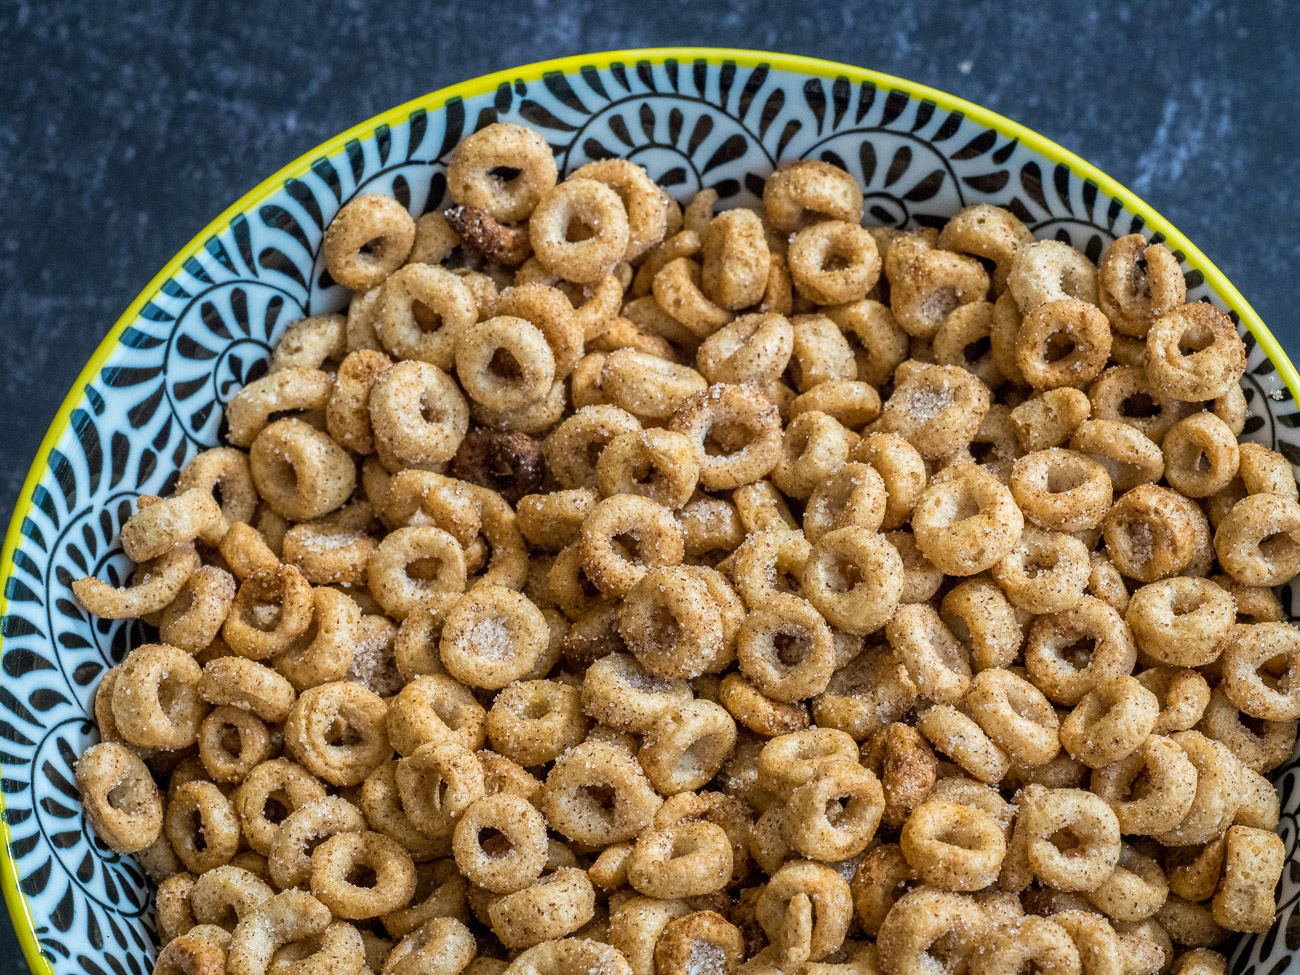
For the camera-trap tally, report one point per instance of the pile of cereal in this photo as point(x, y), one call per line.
point(625, 590)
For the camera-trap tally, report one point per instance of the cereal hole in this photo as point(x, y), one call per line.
point(361, 875)
point(791, 647)
point(939, 303)
point(425, 317)
point(503, 365)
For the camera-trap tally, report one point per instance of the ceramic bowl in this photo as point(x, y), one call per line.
point(152, 394)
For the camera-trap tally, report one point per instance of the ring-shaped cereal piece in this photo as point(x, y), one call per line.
point(432, 707)
point(416, 567)
point(617, 691)
point(201, 825)
point(514, 856)
point(834, 815)
point(1110, 722)
point(685, 859)
point(936, 662)
point(492, 636)
point(1015, 715)
point(313, 343)
point(226, 470)
point(833, 262)
point(1213, 367)
point(419, 416)
point(1045, 572)
point(647, 386)
point(119, 797)
point(570, 955)
point(981, 617)
point(1253, 861)
point(269, 613)
point(706, 934)
point(1139, 282)
point(421, 312)
point(1261, 671)
point(274, 788)
point(1123, 394)
point(1029, 942)
point(1049, 418)
point(854, 578)
point(736, 260)
point(1183, 622)
point(598, 211)
point(989, 232)
point(1129, 456)
point(960, 339)
point(752, 349)
point(926, 284)
point(1265, 471)
point(437, 783)
point(1258, 543)
point(1051, 270)
point(952, 846)
point(504, 169)
point(626, 536)
point(289, 916)
point(930, 930)
point(533, 722)
point(1166, 795)
point(757, 712)
point(937, 409)
point(1262, 746)
point(1062, 343)
point(813, 447)
point(658, 464)
point(831, 903)
point(324, 652)
point(785, 647)
point(1135, 890)
point(1065, 675)
point(248, 685)
point(687, 746)
point(1150, 532)
point(1061, 490)
point(673, 625)
point(853, 496)
point(572, 802)
point(879, 345)
point(346, 854)
point(901, 468)
point(647, 210)
point(1222, 783)
point(289, 859)
point(168, 522)
point(337, 732)
point(224, 896)
point(808, 189)
point(193, 619)
point(548, 310)
point(788, 761)
point(368, 239)
point(299, 471)
point(156, 698)
point(228, 760)
point(504, 363)
point(958, 736)
point(573, 448)
point(1182, 694)
point(966, 521)
point(736, 434)
point(1086, 819)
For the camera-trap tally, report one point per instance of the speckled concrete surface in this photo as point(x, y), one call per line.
point(127, 126)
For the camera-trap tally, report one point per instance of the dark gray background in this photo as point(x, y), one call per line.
point(126, 127)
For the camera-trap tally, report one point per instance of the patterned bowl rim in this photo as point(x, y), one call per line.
point(19, 910)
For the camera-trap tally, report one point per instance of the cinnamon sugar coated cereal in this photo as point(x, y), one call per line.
point(618, 589)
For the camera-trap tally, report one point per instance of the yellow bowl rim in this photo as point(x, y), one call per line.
point(794, 63)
